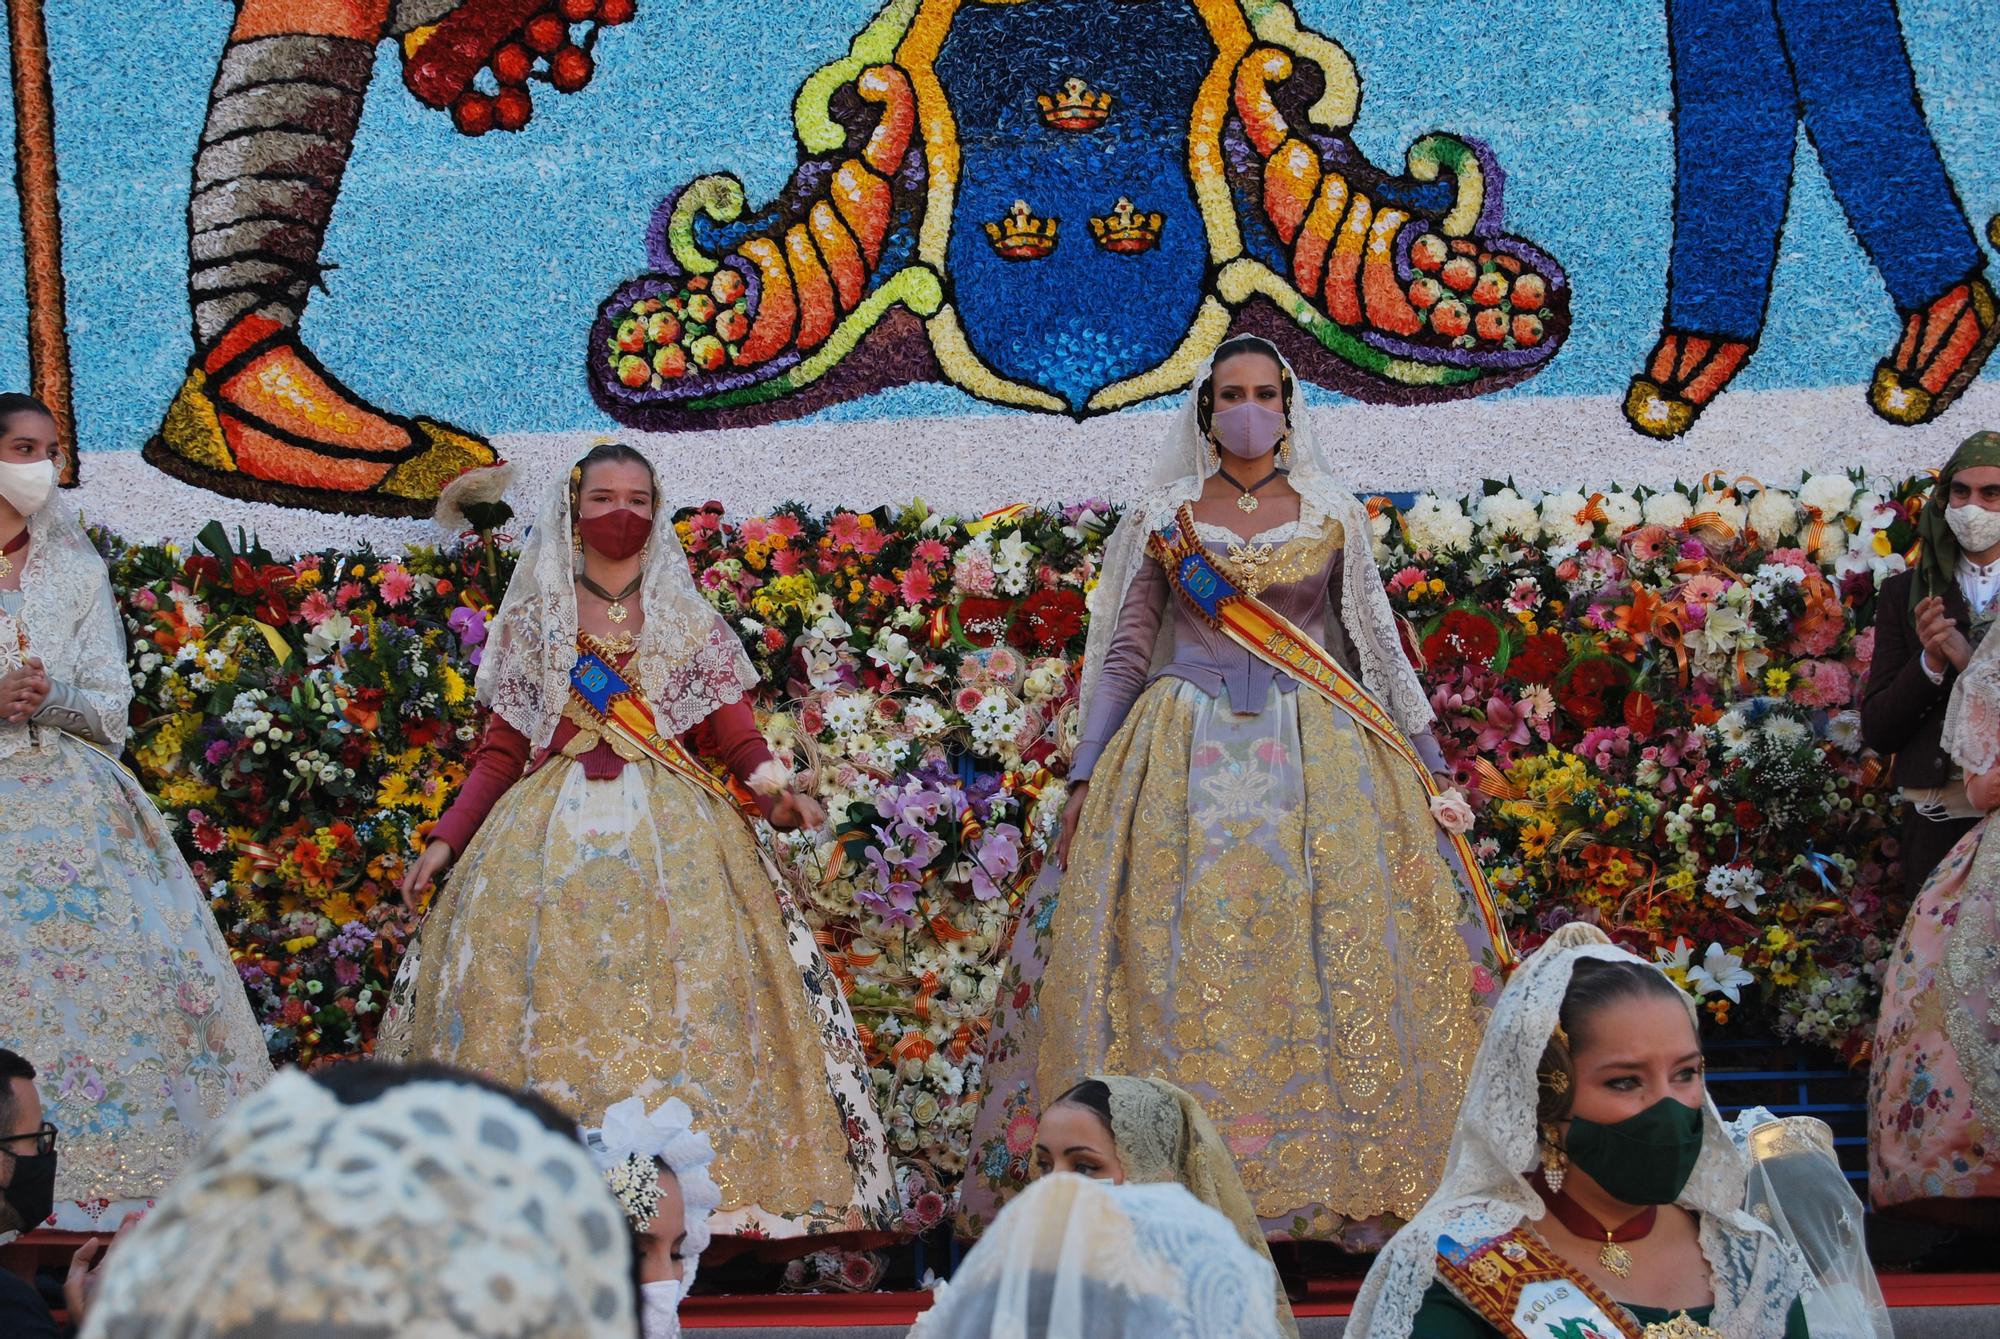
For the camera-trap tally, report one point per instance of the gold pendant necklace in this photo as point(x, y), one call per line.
point(1615, 1257)
point(614, 606)
point(1247, 503)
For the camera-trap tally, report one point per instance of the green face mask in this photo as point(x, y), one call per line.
point(1643, 1159)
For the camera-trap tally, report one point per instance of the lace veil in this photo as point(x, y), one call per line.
point(688, 662)
point(1185, 462)
point(1972, 718)
point(1162, 1134)
point(1797, 1186)
point(1072, 1256)
point(437, 1209)
point(1485, 1191)
point(69, 619)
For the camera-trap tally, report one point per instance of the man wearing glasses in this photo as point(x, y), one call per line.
point(27, 1195)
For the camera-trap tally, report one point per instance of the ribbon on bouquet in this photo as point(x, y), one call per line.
point(603, 692)
point(1266, 634)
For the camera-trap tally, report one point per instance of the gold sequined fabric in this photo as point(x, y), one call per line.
point(605, 939)
point(1257, 910)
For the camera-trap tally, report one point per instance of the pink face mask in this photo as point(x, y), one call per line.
point(1248, 431)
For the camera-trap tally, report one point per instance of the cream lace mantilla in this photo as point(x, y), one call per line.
point(1485, 1191)
point(687, 665)
point(438, 1209)
point(1185, 462)
point(69, 620)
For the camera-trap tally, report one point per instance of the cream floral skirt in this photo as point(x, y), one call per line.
point(115, 982)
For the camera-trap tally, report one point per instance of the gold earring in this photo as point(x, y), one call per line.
point(1554, 1166)
point(1555, 1081)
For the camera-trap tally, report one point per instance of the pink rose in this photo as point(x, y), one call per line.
point(1452, 812)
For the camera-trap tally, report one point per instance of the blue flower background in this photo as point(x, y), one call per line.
point(467, 270)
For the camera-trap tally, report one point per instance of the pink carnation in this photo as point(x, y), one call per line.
point(1822, 683)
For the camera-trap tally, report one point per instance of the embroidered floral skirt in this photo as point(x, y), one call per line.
point(1260, 909)
point(601, 939)
point(1934, 1084)
point(115, 982)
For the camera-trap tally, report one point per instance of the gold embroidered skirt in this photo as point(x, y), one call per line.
point(1259, 909)
point(601, 939)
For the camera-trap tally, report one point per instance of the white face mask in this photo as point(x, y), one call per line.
point(660, 1309)
point(1977, 529)
point(27, 487)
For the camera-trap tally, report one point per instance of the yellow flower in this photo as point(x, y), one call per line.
point(1777, 681)
point(358, 571)
point(1882, 548)
point(1536, 836)
point(301, 944)
point(1437, 586)
point(1778, 939)
point(306, 580)
point(454, 685)
point(394, 792)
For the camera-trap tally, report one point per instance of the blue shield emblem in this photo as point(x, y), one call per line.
point(1072, 108)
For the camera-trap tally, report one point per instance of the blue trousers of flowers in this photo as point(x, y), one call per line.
point(1746, 73)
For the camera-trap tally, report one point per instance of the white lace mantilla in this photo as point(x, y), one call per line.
point(438, 1209)
point(1485, 1191)
point(1185, 462)
point(69, 620)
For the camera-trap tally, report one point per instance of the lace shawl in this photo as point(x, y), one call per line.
point(688, 663)
point(1184, 463)
point(69, 619)
point(1485, 1192)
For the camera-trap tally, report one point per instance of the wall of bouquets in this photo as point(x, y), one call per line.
point(1652, 695)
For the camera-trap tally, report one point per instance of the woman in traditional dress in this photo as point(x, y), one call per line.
point(1259, 901)
point(1133, 1131)
point(119, 987)
point(613, 928)
point(1593, 1189)
point(1934, 1078)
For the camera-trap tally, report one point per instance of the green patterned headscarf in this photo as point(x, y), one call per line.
point(1937, 565)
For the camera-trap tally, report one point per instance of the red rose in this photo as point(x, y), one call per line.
point(1047, 621)
point(1541, 660)
point(1462, 638)
point(1747, 815)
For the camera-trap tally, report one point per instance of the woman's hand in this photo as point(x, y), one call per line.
point(1072, 813)
point(1983, 791)
point(794, 809)
point(424, 871)
point(23, 690)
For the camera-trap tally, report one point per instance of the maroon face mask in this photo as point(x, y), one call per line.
point(616, 534)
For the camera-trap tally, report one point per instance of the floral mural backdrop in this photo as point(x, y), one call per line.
point(1652, 695)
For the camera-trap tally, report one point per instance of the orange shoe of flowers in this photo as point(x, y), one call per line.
point(259, 418)
point(1941, 351)
point(1684, 374)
